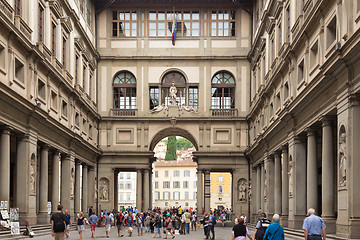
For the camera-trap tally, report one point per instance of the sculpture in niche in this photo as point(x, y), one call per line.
point(249, 192)
point(242, 190)
point(290, 173)
point(72, 182)
point(172, 94)
point(265, 185)
point(342, 164)
point(104, 189)
point(32, 178)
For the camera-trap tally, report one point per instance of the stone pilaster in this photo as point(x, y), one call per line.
point(258, 189)
point(116, 190)
point(22, 175)
point(5, 165)
point(277, 181)
point(91, 187)
point(55, 181)
point(207, 194)
point(84, 194)
point(262, 174)
point(77, 188)
point(200, 192)
point(138, 189)
point(44, 185)
point(147, 190)
point(285, 188)
point(311, 171)
point(269, 185)
point(67, 182)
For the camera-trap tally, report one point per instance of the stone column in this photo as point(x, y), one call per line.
point(91, 187)
point(262, 202)
point(5, 165)
point(285, 188)
point(55, 181)
point(44, 185)
point(200, 193)
point(269, 185)
point(66, 185)
point(138, 189)
point(207, 194)
point(311, 171)
point(258, 189)
point(22, 176)
point(328, 175)
point(147, 188)
point(277, 181)
point(116, 190)
point(84, 203)
point(77, 188)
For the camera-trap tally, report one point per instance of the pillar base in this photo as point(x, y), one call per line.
point(296, 222)
point(43, 218)
point(330, 223)
point(349, 231)
point(284, 220)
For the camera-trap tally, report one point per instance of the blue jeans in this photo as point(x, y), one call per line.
point(187, 227)
point(130, 224)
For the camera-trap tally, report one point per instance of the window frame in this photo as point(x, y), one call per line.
point(131, 22)
point(223, 21)
point(222, 85)
point(125, 86)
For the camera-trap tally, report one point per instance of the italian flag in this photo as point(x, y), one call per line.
point(174, 26)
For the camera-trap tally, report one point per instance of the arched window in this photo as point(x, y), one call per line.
point(180, 84)
point(124, 90)
point(223, 91)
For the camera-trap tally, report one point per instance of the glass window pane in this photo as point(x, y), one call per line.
point(195, 16)
point(134, 29)
point(114, 15)
point(232, 15)
point(220, 15)
point(214, 15)
point(226, 15)
point(186, 29)
point(186, 15)
point(133, 16)
point(127, 15)
point(114, 29)
point(213, 29)
point(161, 16)
point(161, 29)
point(121, 16)
point(169, 16)
point(152, 29)
point(152, 15)
point(121, 29)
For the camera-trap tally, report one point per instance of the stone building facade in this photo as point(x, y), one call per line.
point(304, 112)
point(265, 90)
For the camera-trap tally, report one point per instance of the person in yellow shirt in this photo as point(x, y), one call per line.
point(180, 211)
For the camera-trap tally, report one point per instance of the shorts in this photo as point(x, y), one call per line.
point(59, 236)
point(157, 230)
point(119, 227)
point(169, 229)
point(68, 226)
point(108, 226)
point(92, 226)
point(80, 228)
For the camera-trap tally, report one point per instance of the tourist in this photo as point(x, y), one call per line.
point(152, 223)
point(180, 211)
point(58, 224)
point(314, 226)
point(240, 231)
point(80, 224)
point(223, 218)
point(187, 221)
point(119, 222)
point(68, 223)
point(275, 231)
point(147, 223)
point(90, 211)
point(130, 220)
point(139, 224)
point(243, 216)
point(168, 227)
point(107, 224)
point(157, 225)
point(211, 226)
point(182, 225)
point(93, 220)
point(193, 221)
point(261, 227)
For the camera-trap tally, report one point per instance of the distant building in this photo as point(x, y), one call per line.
point(220, 190)
point(127, 189)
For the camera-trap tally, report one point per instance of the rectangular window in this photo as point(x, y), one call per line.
point(186, 173)
point(176, 173)
point(286, 90)
point(193, 97)
point(84, 125)
point(156, 185)
point(223, 23)
point(128, 186)
point(77, 121)
point(128, 197)
point(185, 184)
point(64, 43)
point(186, 195)
point(314, 55)
point(166, 184)
point(121, 197)
point(121, 176)
point(278, 101)
point(76, 69)
point(41, 24)
point(90, 84)
point(195, 182)
point(19, 71)
point(279, 35)
point(125, 97)
point(166, 195)
point(128, 175)
point(64, 109)
point(121, 186)
point(17, 7)
point(41, 89)
point(288, 24)
point(220, 178)
point(176, 184)
point(2, 56)
point(271, 110)
point(194, 195)
point(90, 131)
point(331, 32)
point(53, 39)
point(156, 173)
point(154, 97)
point(176, 195)
point(124, 24)
point(301, 71)
point(166, 173)
point(84, 77)
point(157, 195)
point(54, 100)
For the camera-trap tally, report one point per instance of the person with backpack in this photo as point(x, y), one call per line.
point(58, 224)
point(261, 227)
point(240, 231)
point(211, 226)
point(275, 231)
point(130, 220)
point(119, 222)
point(157, 225)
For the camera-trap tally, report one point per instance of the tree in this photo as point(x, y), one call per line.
point(183, 144)
point(171, 148)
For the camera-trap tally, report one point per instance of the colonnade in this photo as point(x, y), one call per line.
point(41, 172)
point(286, 181)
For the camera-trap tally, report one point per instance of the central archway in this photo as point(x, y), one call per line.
point(173, 131)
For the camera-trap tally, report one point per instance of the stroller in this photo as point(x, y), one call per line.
point(28, 232)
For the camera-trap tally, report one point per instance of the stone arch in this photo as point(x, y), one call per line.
point(104, 189)
point(173, 70)
point(242, 190)
point(172, 131)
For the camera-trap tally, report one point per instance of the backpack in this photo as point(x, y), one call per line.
point(264, 223)
point(213, 220)
point(59, 222)
point(130, 219)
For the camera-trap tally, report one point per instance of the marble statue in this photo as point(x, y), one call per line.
point(342, 164)
point(242, 191)
point(32, 178)
point(159, 108)
point(249, 193)
point(290, 173)
point(172, 94)
point(72, 182)
point(188, 109)
point(104, 190)
point(265, 186)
